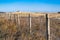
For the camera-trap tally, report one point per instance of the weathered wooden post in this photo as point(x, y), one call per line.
point(30, 22)
point(47, 27)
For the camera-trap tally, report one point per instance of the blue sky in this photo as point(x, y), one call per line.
point(30, 5)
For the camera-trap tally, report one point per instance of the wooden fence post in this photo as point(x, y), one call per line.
point(46, 26)
point(30, 22)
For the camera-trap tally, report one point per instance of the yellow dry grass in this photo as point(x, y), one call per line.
point(25, 14)
point(54, 15)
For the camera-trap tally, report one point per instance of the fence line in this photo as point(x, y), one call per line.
point(16, 19)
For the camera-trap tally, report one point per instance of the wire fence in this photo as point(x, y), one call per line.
point(28, 27)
